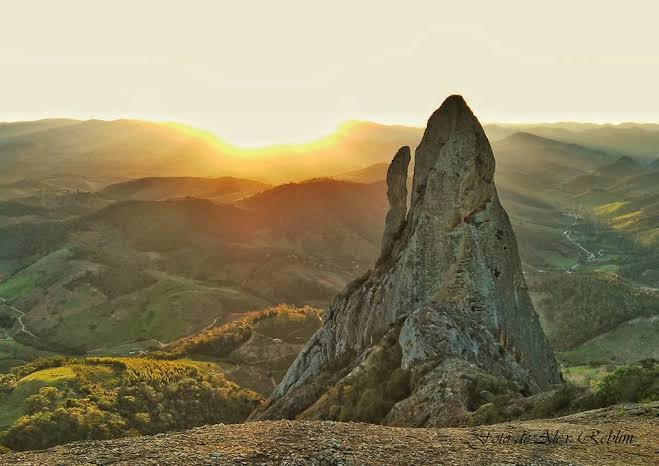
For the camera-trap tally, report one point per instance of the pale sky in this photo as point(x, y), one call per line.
point(262, 72)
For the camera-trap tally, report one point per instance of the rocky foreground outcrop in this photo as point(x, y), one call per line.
point(613, 436)
point(444, 322)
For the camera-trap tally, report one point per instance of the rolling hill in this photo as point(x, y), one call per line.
point(9, 130)
point(127, 149)
point(113, 150)
point(211, 377)
point(254, 351)
point(638, 140)
point(153, 271)
point(369, 174)
point(60, 400)
point(223, 190)
point(162, 269)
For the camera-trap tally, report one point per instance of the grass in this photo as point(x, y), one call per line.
point(611, 268)
point(50, 376)
point(560, 262)
point(626, 221)
point(11, 404)
point(17, 286)
point(126, 349)
point(164, 311)
point(41, 273)
point(165, 316)
point(608, 209)
point(586, 376)
point(576, 308)
point(630, 342)
point(635, 216)
point(167, 309)
point(649, 237)
point(14, 353)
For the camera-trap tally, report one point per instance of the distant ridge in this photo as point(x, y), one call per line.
point(224, 189)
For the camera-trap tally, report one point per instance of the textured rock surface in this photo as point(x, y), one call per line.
point(397, 196)
point(449, 281)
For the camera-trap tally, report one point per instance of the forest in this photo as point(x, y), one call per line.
point(102, 398)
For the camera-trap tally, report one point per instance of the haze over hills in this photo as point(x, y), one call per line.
point(121, 149)
point(113, 150)
point(110, 151)
point(370, 174)
point(635, 139)
point(8, 130)
point(223, 190)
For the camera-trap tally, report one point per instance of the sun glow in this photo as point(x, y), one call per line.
point(286, 76)
point(303, 147)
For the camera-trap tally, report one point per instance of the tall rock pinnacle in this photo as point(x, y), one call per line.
point(447, 301)
point(397, 195)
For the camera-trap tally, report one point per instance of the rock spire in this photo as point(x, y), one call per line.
point(447, 300)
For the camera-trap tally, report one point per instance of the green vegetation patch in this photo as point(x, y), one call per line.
point(586, 376)
point(275, 322)
point(610, 268)
point(52, 375)
point(580, 306)
point(17, 286)
point(59, 400)
point(587, 387)
point(14, 353)
point(635, 383)
point(630, 342)
point(40, 274)
point(608, 209)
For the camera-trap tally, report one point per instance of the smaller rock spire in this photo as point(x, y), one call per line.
point(397, 195)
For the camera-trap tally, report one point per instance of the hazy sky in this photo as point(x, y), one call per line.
point(287, 71)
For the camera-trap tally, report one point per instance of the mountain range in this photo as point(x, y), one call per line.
point(109, 151)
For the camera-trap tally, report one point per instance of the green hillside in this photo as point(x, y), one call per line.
point(629, 342)
point(254, 351)
point(201, 379)
point(58, 400)
point(577, 307)
point(155, 271)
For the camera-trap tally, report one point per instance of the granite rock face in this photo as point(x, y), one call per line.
point(397, 196)
point(448, 289)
